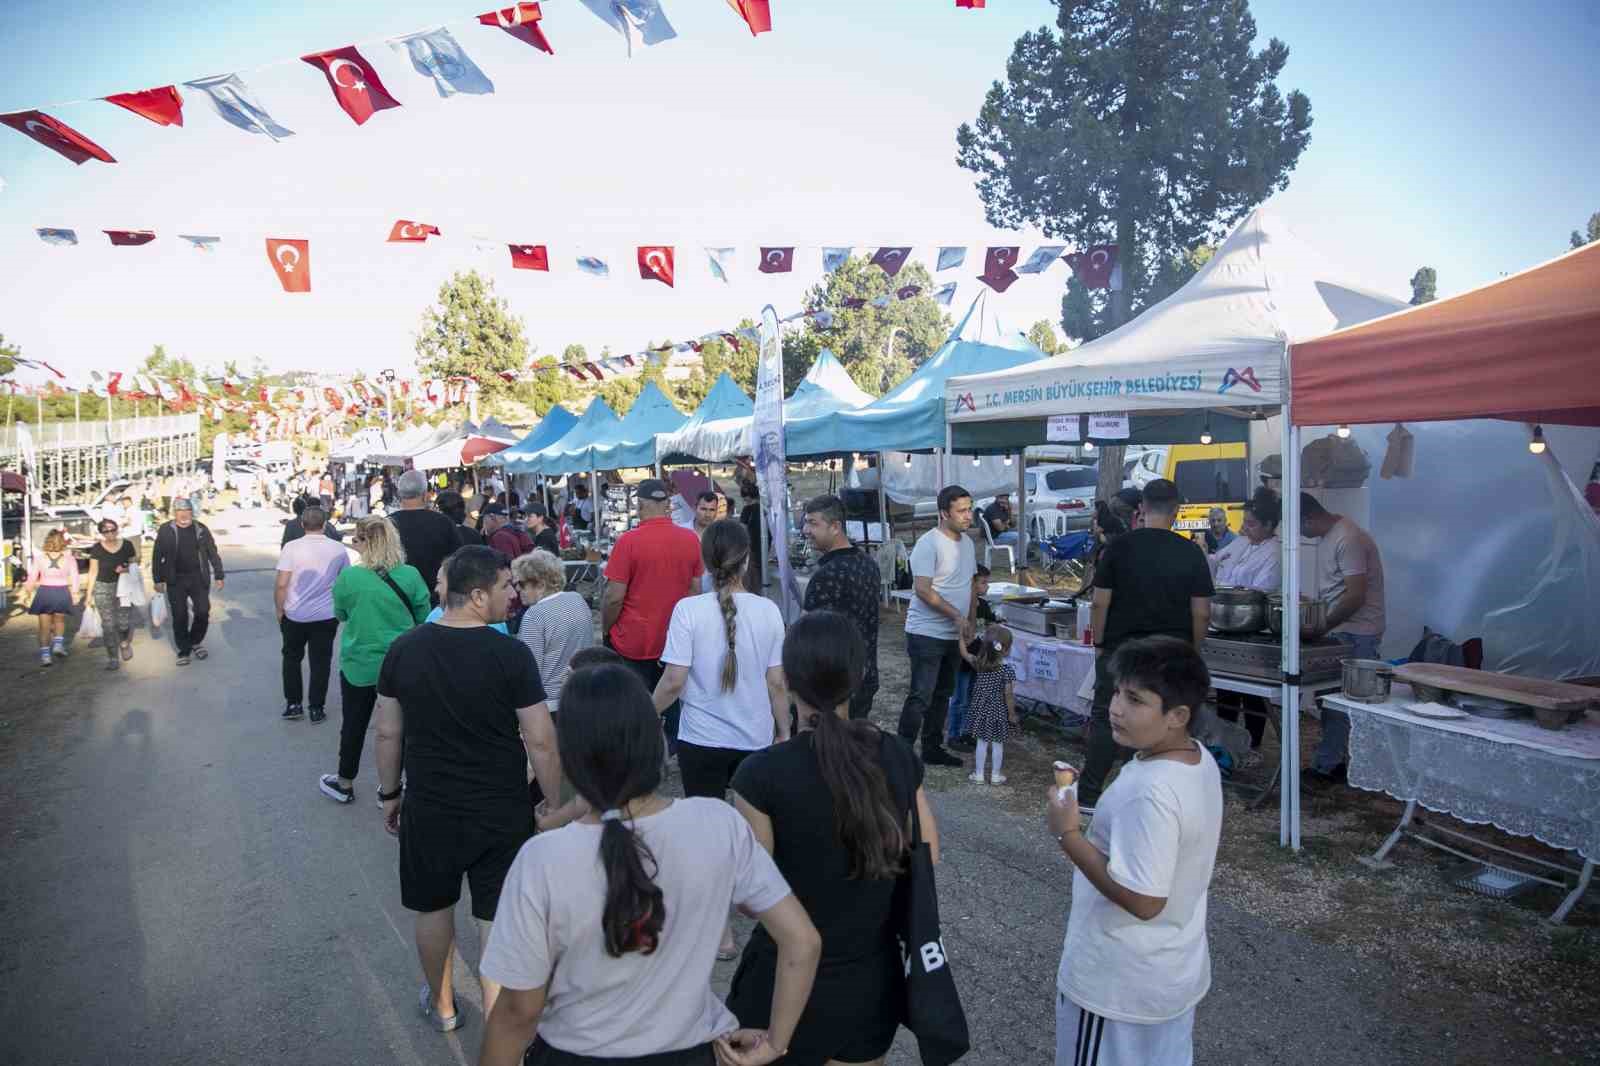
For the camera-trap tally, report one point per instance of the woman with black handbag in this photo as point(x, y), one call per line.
point(835, 807)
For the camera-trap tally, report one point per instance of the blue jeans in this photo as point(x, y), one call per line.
point(959, 704)
point(1009, 538)
point(1335, 746)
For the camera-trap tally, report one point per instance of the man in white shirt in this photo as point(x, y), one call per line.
point(307, 569)
point(938, 620)
point(1350, 582)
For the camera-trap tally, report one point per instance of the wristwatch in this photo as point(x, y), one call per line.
point(385, 797)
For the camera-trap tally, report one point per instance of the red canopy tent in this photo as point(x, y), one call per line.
point(477, 447)
point(1524, 348)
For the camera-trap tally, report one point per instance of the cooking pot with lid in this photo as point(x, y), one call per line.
point(1235, 609)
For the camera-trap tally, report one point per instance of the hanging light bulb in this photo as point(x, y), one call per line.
point(1205, 434)
point(1343, 432)
point(1008, 460)
point(1088, 445)
point(908, 458)
point(974, 460)
point(1536, 445)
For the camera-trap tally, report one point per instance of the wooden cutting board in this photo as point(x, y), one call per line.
point(1529, 691)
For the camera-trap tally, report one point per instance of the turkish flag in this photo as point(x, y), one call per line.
point(855, 303)
point(595, 370)
point(57, 136)
point(997, 268)
point(130, 237)
point(757, 14)
point(908, 291)
point(575, 372)
point(162, 106)
point(407, 232)
point(1094, 267)
point(292, 260)
point(970, 3)
point(655, 263)
point(529, 257)
point(890, 260)
point(777, 260)
point(353, 81)
point(522, 22)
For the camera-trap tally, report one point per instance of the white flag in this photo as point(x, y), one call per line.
point(950, 258)
point(944, 294)
point(1042, 258)
point(237, 107)
point(435, 54)
point(641, 22)
point(720, 260)
point(201, 243)
point(834, 258)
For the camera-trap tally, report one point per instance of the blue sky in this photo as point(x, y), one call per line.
point(1449, 136)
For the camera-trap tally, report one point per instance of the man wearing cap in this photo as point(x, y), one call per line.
point(502, 535)
point(185, 558)
point(652, 567)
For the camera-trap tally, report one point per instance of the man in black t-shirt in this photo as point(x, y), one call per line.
point(453, 507)
point(847, 581)
point(544, 537)
point(427, 536)
point(1149, 582)
point(465, 705)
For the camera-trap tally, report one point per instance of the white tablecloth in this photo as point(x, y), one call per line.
point(1035, 658)
point(1477, 770)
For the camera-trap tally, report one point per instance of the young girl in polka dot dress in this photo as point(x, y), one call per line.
point(993, 709)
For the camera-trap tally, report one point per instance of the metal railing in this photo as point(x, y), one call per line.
point(73, 459)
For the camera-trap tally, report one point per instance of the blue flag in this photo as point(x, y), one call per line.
point(237, 107)
point(944, 294)
point(58, 236)
point(833, 259)
point(1042, 258)
point(435, 54)
point(720, 259)
point(590, 265)
point(201, 243)
point(950, 258)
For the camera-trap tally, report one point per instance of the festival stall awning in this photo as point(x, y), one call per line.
point(571, 452)
point(556, 423)
point(401, 448)
point(634, 441)
point(826, 388)
point(725, 401)
point(1525, 348)
point(1216, 343)
point(910, 417)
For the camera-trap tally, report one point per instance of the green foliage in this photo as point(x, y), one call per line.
point(162, 365)
point(1592, 233)
point(880, 347)
point(9, 354)
point(619, 392)
point(1424, 286)
point(1153, 126)
point(739, 361)
point(471, 332)
point(545, 387)
point(1044, 338)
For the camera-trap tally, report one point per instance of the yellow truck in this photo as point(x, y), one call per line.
point(1207, 476)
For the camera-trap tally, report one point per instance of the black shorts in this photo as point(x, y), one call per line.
point(437, 848)
point(708, 771)
point(542, 1054)
point(852, 1015)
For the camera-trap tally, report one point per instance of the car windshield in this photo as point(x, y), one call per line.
point(1033, 484)
point(1083, 477)
point(1211, 480)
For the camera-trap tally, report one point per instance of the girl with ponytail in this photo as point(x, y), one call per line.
point(612, 960)
point(833, 806)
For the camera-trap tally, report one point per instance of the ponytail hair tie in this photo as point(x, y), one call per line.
point(997, 645)
point(613, 815)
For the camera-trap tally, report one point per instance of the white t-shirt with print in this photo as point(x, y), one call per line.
point(1158, 824)
point(698, 638)
point(951, 564)
point(313, 563)
point(547, 932)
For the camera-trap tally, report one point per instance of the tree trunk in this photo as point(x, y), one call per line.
point(1111, 455)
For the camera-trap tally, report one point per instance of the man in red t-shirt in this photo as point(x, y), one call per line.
point(652, 567)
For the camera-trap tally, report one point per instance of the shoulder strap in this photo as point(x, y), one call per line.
point(387, 580)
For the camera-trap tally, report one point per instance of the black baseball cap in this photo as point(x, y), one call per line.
point(494, 509)
point(652, 489)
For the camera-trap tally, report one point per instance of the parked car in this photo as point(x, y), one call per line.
point(1060, 498)
point(78, 520)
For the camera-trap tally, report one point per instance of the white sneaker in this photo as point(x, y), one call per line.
point(998, 779)
point(975, 778)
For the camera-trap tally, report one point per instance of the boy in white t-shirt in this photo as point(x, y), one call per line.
point(1135, 962)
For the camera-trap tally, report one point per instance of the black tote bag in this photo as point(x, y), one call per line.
point(931, 1008)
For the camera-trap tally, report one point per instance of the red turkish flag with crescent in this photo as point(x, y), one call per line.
point(1094, 267)
point(522, 22)
point(130, 237)
point(655, 263)
point(408, 232)
point(162, 106)
point(292, 260)
point(757, 14)
point(57, 136)
point(970, 3)
point(353, 81)
point(997, 268)
point(890, 260)
point(529, 257)
point(776, 260)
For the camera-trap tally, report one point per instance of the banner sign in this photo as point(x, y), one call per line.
point(772, 460)
point(1062, 429)
point(1108, 427)
point(1057, 389)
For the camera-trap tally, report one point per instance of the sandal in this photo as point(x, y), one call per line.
point(127, 650)
point(444, 1025)
point(200, 651)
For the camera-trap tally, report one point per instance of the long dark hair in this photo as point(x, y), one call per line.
point(824, 658)
point(724, 547)
point(611, 750)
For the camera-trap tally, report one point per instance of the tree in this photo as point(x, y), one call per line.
point(619, 392)
point(1149, 125)
point(471, 332)
point(1578, 240)
point(880, 347)
point(159, 364)
point(9, 354)
point(545, 387)
point(1043, 336)
point(1424, 286)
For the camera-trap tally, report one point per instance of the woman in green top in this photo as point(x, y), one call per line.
point(377, 600)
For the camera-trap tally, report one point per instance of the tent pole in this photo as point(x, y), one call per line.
point(1022, 512)
point(947, 460)
point(1289, 804)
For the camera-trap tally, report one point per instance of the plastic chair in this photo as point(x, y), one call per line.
point(990, 547)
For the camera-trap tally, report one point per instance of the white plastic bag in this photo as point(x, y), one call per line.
point(130, 587)
point(91, 629)
point(158, 610)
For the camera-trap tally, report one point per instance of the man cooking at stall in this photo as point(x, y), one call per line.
point(1350, 582)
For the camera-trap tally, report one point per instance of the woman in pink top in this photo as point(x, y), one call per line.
point(53, 581)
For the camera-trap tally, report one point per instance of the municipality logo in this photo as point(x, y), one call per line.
point(1234, 377)
point(965, 401)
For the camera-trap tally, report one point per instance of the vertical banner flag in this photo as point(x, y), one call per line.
point(1042, 258)
point(772, 460)
point(950, 258)
point(522, 22)
point(408, 232)
point(834, 258)
point(777, 260)
point(529, 257)
point(292, 260)
point(641, 22)
point(719, 259)
point(1094, 267)
point(56, 136)
point(997, 264)
point(757, 14)
point(237, 107)
point(162, 106)
point(435, 54)
point(354, 83)
point(655, 263)
point(890, 260)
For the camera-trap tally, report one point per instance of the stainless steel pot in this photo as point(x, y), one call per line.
point(1238, 610)
point(1313, 614)
point(1367, 680)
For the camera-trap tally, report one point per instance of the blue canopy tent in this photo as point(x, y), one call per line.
point(725, 400)
point(550, 429)
point(571, 452)
point(634, 441)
